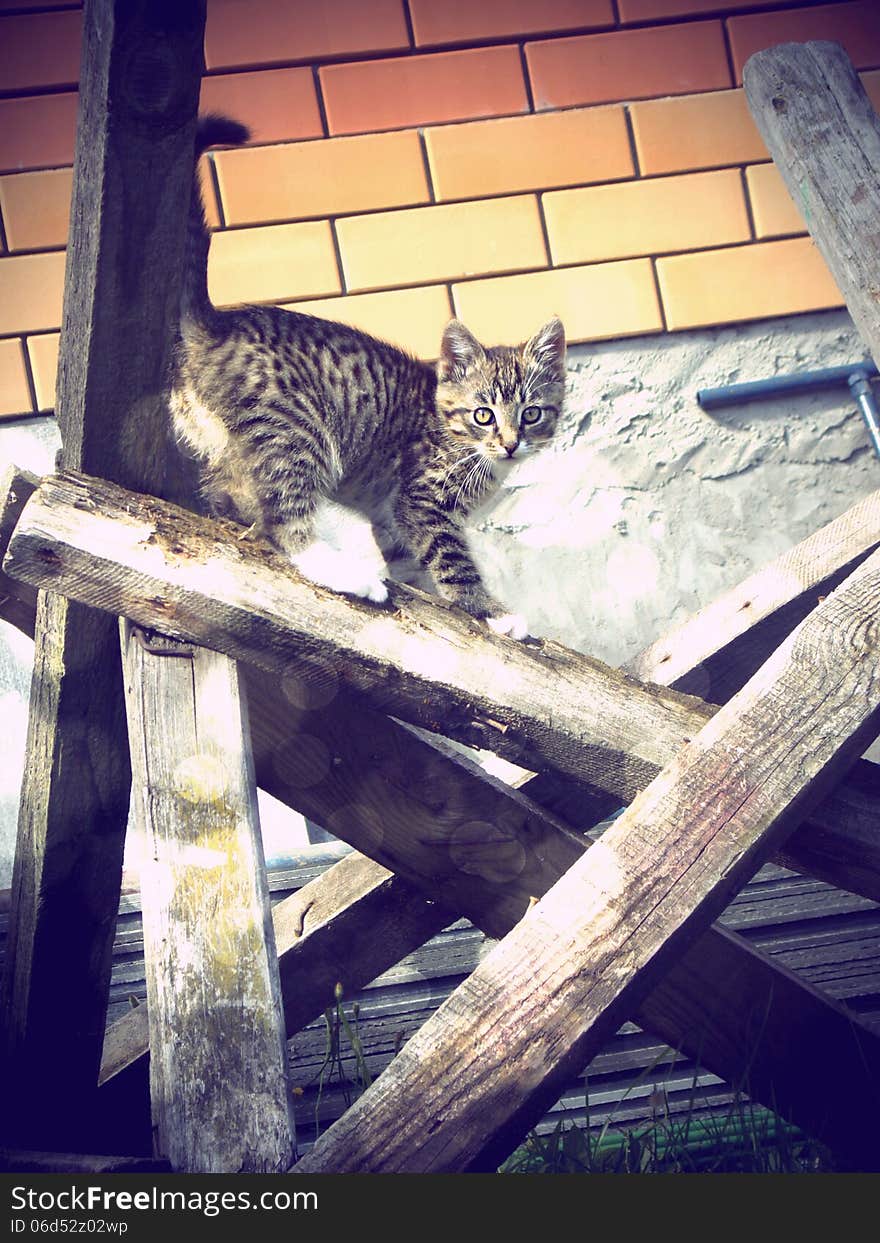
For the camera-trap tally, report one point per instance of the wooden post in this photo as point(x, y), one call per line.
point(422, 662)
point(824, 135)
point(426, 813)
point(217, 1072)
point(482, 1071)
point(131, 186)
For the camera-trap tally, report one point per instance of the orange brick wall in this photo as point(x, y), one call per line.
point(411, 159)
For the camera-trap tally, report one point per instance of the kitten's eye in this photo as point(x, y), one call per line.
point(483, 416)
point(532, 415)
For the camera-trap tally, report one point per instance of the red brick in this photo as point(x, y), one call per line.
point(856, 26)
point(15, 396)
point(272, 264)
point(628, 64)
point(43, 352)
point(428, 244)
point(773, 208)
point(40, 49)
point(540, 151)
point(412, 319)
point(31, 292)
point(418, 90)
point(695, 131)
point(745, 282)
point(277, 105)
point(652, 10)
point(36, 208)
point(595, 302)
point(652, 216)
point(334, 177)
point(266, 32)
point(463, 21)
point(37, 132)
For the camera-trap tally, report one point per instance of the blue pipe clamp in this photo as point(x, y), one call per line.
point(857, 376)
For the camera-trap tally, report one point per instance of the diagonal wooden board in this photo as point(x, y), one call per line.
point(486, 1066)
point(387, 914)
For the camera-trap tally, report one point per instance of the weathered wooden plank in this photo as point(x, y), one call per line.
point(821, 129)
point(714, 653)
point(494, 1057)
point(432, 665)
point(200, 581)
point(131, 184)
point(218, 1064)
point(280, 716)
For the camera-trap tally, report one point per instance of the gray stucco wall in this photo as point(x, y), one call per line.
point(644, 509)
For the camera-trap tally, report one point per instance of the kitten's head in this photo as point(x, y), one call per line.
point(503, 401)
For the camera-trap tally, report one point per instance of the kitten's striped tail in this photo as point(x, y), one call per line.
point(195, 305)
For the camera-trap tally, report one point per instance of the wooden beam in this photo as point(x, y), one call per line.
point(824, 136)
point(715, 652)
point(351, 926)
point(485, 1067)
point(132, 174)
point(219, 1058)
point(199, 580)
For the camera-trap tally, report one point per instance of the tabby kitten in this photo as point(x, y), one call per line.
point(291, 415)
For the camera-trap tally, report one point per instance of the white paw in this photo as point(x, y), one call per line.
point(513, 624)
point(331, 568)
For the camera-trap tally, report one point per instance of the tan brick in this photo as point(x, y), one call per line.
point(460, 21)
point(871, 83)
point(856, 26)
point(43, 352)
point(695, 131)
point(15, 397)
point(272, 263)
point(420, 90)
point(264, 32)
point(325, 178)
point(773, 209)
point(595, 302)
point(37, 132)
point(277, 105)
point(745, 282)
point(31, 292)
point(575, 147)
point(40, 49)
point(36, 208)
point(652, 10)
point(412, 319)
point(428, 244)
point(647, 217)
point(628, 64)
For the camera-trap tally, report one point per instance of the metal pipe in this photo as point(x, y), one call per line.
point(857, 376)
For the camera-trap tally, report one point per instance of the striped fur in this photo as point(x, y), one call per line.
point(285, 411)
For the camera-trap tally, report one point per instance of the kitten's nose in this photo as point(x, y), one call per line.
point(511, 449)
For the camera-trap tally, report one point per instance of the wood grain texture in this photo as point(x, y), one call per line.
point(199, 580)
point(219, 1059)
point(17, 600)
point(486, 1066)
point(824, 136)
point(285, 715)
point(138, 97)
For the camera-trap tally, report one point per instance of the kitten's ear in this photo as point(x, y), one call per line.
point(546, 349)
point(459, 350)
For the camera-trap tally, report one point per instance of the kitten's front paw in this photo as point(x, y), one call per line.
point(513, 624)
point(330, 568)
